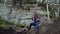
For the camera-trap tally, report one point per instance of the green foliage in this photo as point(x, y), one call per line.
point(22, 25)
point(5, 24)
point(18, 25)
point(11, 22)
point(2, 26)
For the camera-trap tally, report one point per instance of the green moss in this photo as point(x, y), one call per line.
point(2, 26)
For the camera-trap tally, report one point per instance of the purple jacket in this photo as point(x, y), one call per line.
point(36, 19)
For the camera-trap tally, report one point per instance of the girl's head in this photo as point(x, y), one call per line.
point(35, 14)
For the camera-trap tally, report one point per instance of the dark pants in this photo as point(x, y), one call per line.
point(34, 24)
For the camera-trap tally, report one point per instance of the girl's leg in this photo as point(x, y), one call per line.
point(31, 24)
point(36, 27)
